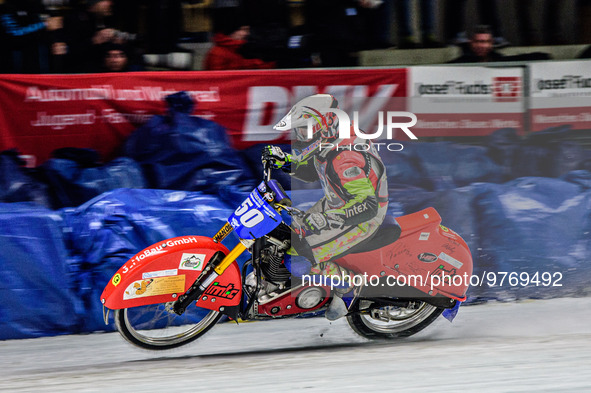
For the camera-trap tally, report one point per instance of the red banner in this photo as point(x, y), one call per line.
point(40, 113)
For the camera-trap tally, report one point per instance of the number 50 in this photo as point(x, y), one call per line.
point(249, 215)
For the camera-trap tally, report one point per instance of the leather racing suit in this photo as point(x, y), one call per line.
point(355, 196)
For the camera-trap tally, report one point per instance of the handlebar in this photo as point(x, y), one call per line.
point(281, 196)
point(266, 170)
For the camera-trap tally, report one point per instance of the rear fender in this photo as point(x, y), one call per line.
point(167, 269)
point(431, 257)
point(427, 256)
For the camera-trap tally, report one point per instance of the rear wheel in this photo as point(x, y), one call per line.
point(390, 322)
point(158, 327)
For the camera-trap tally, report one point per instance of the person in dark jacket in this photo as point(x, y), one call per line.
point(86, 30)
point(480, 48)
point(24, 36)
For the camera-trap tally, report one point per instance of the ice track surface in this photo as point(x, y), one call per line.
point(529, 346)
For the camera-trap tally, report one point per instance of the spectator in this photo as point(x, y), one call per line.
point(128, 15)
point(116, 58)
point(230, 36)
point(376, 16)
point(427, 33)
point(480, 47)
point(338, 29)
point(24, 37)
point(269, 31)
point(85, 31)
point(488, 14)
point(550, 27)
point(164, 24)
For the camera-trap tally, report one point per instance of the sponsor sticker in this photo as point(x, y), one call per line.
point(451, 260)
point(352, 172)
point(155, 286)
point(424, 236)
point(160, 273)
point(116, 279)
point(269, 196)
point(506, 88)
point(221, 235)
point(427, 257)
point(448, 232)
point(226, 292)
point(192, 261)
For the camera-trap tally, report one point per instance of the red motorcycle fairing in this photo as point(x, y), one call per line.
point(427, 256)
point(167, 269)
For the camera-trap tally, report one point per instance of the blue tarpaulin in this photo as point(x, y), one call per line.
point(73, 182)
point(183, 152)
point(17, 183)
point(441, 165)
point(37, 290)
point(535, 225)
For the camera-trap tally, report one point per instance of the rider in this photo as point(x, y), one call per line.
point(354, 183)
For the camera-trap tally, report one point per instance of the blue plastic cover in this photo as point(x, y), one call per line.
point(535, 225)
point(403, 168)
point(108, 230)
point(73, 183)
point(503, 145)
point(182, 152)
point(37, 293)
point(549, 153)
point(16, 185)
point(580, 177)
point(443, 165)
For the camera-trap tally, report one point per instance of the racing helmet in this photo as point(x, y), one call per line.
point(315, 110)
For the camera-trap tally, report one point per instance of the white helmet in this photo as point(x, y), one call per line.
point(317, 110)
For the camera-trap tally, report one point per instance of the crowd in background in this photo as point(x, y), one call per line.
point(75, 36)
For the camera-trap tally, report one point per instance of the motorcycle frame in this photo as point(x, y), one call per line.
point(202, 285)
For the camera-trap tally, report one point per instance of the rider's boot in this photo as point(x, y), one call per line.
point(300, 266)
point(337, 307)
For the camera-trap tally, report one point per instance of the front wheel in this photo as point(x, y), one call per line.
point(390, 322)
point(158, 327)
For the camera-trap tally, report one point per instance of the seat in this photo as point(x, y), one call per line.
point(386, 234)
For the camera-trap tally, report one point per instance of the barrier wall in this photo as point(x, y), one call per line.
point(560, 94)
point(522, 200)
point(466, 101)
point(40, 113)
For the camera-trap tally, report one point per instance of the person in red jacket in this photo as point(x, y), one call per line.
point(225, 54)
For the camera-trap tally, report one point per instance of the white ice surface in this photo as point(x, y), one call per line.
point(530, 346)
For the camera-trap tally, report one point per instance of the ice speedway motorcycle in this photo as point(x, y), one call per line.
point(174, 291)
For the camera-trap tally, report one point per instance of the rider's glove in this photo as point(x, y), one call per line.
point(317, 222)
point(276, 157)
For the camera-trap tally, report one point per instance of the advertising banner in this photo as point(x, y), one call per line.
point(465, 101)
point(40, 113)
point(560, 94)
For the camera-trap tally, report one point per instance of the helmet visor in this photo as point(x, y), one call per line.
point(300, 134)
